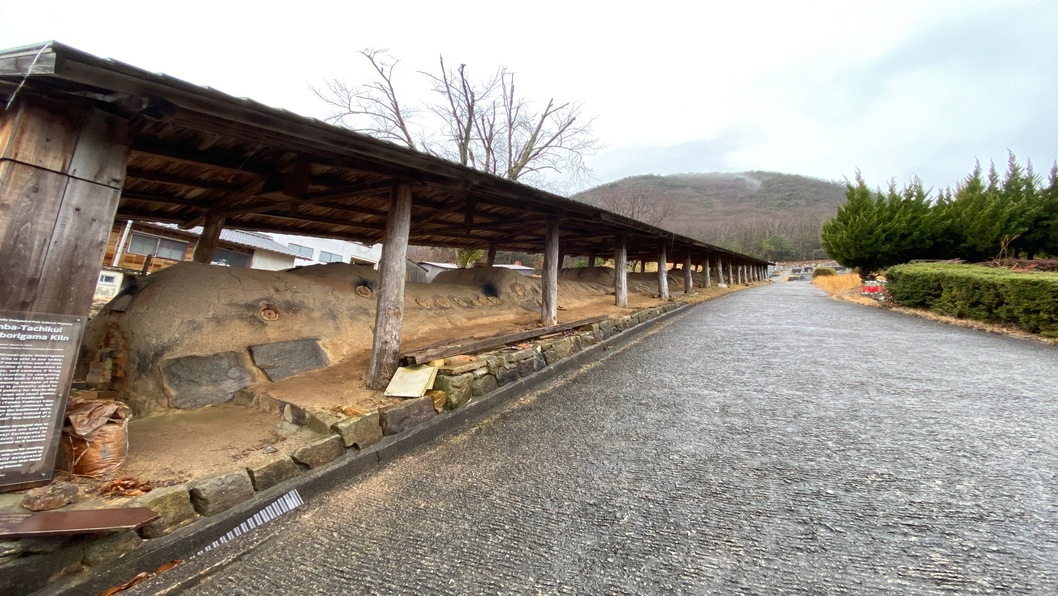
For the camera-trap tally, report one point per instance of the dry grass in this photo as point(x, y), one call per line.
point(838, 284)
point(847, 287)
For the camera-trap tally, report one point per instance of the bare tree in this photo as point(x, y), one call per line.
point(639, 205)
point(483, 124)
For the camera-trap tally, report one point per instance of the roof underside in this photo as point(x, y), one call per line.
point(199, 153)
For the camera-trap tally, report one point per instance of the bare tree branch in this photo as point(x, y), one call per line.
point(481, 124)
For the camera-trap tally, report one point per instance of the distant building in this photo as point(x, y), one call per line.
point(136, 247)
point(310, 250)
point(433, 268)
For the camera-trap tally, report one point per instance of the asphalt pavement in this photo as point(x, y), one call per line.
point(771, 441)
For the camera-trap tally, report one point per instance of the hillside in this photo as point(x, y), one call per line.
point(755, 212)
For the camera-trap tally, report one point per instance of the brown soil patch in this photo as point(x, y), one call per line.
point(182, 445)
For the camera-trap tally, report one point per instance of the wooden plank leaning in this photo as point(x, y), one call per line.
point(436, 352)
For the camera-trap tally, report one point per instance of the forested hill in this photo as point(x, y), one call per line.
point(769, 214)
point(730, 197)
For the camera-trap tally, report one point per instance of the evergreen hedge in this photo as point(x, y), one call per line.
point(1028, 300)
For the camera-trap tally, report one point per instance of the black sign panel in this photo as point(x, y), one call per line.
point(37, 356)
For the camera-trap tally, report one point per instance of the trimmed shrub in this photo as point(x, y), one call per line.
point(821, 271)
point(1028, 300)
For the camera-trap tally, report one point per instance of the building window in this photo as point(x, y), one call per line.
point(107, 279)
point(303, 251)
point(330, 257)
point(165, 248)
point(223, 256)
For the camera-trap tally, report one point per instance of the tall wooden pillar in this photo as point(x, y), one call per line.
point(62, 167)
point(389, 312)
point(490, 260)
point(549, 279)
point(620, 274)
point(663, 274)
point(591, 259)
point(61, 172)
point(688, 275)
point(731, 273)
point(708, 276)
point(207, 242)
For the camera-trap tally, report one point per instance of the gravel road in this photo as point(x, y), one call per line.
point(772, 441)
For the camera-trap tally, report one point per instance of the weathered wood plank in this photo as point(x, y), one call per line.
point(436, 352)
point(688, 275)
point(41, 134)
point(620, 278)
point(29, 200)
point(663, 273)
point(549, 278)
point(389, 313)
point(207, 242)
point(102, 150)
point(76, 248)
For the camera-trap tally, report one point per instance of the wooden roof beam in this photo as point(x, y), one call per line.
point(177, 180)
point(198, 158)
point(136, 196)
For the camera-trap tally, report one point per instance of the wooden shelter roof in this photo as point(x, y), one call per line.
point(197, 152)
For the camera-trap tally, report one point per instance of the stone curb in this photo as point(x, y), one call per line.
point(185, 542)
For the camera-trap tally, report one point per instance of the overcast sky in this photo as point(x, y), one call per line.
point(817, 88)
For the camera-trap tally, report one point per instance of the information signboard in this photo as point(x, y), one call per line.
point(37, 356)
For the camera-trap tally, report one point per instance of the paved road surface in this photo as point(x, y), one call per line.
point(770, 441)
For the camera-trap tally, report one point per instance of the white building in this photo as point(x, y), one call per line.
point(312, 250)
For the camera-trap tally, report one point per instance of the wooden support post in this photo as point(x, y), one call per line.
point(207, 242)
point(731, 273)
point(62, 168)
point(688, 275)
point(663, 274)
point(719, 271)
point(620, 274)
point(591, 259)
point(490, 260)
point(389, 312)
point(61, 173)
point(708, 275)
point(549, 279)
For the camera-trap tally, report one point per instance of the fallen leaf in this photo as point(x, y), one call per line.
point(140, 577)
